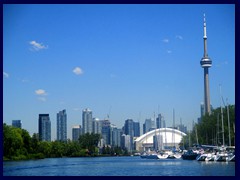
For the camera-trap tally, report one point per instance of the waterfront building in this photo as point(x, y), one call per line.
point(76, 132)
point(146, 141)
point(87, 121)
point(128, 130)
point(136, 129)
point(97, 126)
point(62, 125)
point(126, 142)
point(44, 127)
point(106, 131)
point(206, 63)
point(160, 123)
point(148, 125)
point(17, 123)
point(116, 136)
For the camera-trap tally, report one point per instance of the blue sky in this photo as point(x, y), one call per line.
point(127, 61)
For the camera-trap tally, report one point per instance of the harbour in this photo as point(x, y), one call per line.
point(117, 166)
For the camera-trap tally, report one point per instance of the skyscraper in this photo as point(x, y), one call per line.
point(17, 123)
point(44, 127)
point(206, 63)
point(76, 132)
point(148, 125)
point(97, 126)
point(106, 131)
point(87, 121)
point(116, 137)
point(62, 125)
point(136, 129)
point(159, 121)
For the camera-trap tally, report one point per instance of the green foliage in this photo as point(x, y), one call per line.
point(89, 141)
point(209, 130)
point(19, 145)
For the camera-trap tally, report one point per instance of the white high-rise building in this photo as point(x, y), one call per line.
point(76, 132)
point(62, 125)
point(87, 121)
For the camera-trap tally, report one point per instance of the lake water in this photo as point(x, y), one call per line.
point(117, 166)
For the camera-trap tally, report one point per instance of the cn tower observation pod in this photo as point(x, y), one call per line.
point(167, 137)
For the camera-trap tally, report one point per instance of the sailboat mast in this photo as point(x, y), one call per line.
point(173, 133)
point(196, 134)
point(222, 116)
point(229, 134)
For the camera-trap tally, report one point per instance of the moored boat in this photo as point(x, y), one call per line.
point(189, 155)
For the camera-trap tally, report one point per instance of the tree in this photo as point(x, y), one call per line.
point(12, 141)
point(89, 142)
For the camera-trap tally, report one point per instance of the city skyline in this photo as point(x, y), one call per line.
point(121, 61)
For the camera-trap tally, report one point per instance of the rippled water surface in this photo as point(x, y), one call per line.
point(117, 166)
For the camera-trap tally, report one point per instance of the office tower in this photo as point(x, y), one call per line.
point(106, 131)
point(17, 123)
point(97, 126)
point(76, 132)
point(62, 125)
point(206, 63)
point(116, 137)
point(128, 127)
point(44, 127)
point(87, 124)
point(148, 125)
point(128, 130)
point(159, 121)
point(126, 142)
point(136, 129)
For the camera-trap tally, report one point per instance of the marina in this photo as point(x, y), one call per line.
point(117, 166)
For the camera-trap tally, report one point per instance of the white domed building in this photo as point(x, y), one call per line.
point(165, 138)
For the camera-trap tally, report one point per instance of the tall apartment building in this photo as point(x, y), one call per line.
point(17, 123)
point(76, 132)
point(62, 125)
point(160, 122)
point(44, 127)
point(136, 129)
point(148, 125)
point(116, 137)
point(97, 126)
point(106, 132)
point(87, 121)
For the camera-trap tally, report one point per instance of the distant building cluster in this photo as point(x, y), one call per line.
point(111, 135)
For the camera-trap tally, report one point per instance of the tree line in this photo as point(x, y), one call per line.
point(209, 130)
point(19, 145)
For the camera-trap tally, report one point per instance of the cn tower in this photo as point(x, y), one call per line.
point(206, 63)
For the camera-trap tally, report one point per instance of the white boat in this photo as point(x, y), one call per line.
point(231, 158)
point(221, 157)
point(210, 157)
point(177, 155)
point(201, 157)
point(162, 156)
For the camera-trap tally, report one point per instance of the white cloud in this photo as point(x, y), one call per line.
point(40, 92)
point(77, 71)
point(165, 40)
point(6, 75)
point(179, 37)
point(37, 46)
point(169, 51)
